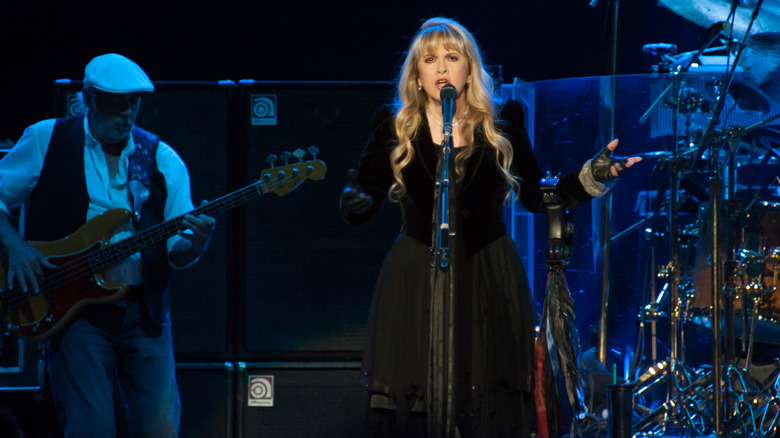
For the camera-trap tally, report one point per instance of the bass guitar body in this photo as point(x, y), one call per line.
point(64, 290)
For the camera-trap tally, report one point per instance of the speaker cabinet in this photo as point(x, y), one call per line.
point(290, 400)
point(309, 276)
point(194, 118)
point(21, 364)
point(23, 402)
point(207, 399)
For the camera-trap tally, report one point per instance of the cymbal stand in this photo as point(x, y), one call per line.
point(674, 265)
point(675, 96)
point(672, 373)
point(731, 242)
point(653, 310)
point(709, 143)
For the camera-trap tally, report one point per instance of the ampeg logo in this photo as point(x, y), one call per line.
point(263, 109)
point(261, 391)
point(73, 105)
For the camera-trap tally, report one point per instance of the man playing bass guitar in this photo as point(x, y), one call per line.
point(68, 172)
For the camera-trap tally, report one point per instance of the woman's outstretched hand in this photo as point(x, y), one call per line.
point(605, 167)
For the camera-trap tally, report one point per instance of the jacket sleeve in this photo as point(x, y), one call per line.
point(526, 166)
point(374, 173)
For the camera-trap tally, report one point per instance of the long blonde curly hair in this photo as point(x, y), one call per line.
point(410, 102)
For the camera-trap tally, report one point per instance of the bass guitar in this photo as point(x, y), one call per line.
point(81, 257)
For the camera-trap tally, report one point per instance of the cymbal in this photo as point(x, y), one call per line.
point(753, 148)
point(761, 61)
point(657, 155)
point(766, 137)
point(747, 99)
point(707, 12)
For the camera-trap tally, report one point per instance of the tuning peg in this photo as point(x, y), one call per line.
point(271, 159)
point(285, 156)
point(299, 154)
point(314, 150)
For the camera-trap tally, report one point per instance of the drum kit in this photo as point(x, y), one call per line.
point(723, 268)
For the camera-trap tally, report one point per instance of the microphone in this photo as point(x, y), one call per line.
point(448, 94)
point(659, 49)
point(715, 29)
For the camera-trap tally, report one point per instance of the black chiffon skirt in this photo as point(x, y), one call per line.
point(494, 337)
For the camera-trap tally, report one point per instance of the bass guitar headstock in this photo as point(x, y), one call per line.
point(285, 178)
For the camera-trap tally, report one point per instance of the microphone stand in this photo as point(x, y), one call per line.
point(441, 405)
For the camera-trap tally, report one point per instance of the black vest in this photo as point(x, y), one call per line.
point(58, 205)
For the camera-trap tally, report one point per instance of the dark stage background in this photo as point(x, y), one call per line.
point(306, 40)
point(285, 290)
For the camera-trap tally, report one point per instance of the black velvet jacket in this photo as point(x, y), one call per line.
point(480, 194)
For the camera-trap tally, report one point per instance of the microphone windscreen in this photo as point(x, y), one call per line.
point(448, 92)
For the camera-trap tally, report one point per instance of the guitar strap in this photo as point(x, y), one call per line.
point(141, 166)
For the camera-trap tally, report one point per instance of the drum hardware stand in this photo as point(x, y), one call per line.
point(653, 313)
point(752, 288)
point(649, 313)
point(756, 411)
point(685, 237)
point(708, 143)
point(674, 271)
point(774, 262)
point(671, 409)
point(691, 401)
